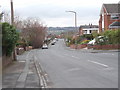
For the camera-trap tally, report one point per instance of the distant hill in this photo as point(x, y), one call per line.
point(58, 30)
point(62, 28)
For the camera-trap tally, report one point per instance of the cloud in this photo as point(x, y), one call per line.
point(53, 11)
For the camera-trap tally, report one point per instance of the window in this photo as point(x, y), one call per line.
point(85, 31)
point(114, 16)
point(90, 31)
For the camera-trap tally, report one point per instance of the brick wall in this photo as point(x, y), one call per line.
point(107, 21)
point(73, 46)
point(105, 47)
point(80, 31)
point(100, 24)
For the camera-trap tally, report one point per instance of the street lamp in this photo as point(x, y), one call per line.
point(75, 23)
point(75, 18)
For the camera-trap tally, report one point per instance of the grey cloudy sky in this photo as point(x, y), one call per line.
point(52, 12)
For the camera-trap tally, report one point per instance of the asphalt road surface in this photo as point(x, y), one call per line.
point(69, 68)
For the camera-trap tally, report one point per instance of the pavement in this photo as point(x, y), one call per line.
point(21, 73)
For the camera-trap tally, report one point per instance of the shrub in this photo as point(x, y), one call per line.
point(101, 40)
point(113, 36)
point(9, 38)
point(87, 36)
point(85, 42)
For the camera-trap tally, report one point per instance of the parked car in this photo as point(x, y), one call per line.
point(56, 39)
point(44, 46)
point(53, 43)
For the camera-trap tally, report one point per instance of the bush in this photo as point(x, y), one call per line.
point(95, 34)
point(101, 40)
point(113, 36)
point(87, 36)
point(85, 42)
point(109, 37)
point(9, 38)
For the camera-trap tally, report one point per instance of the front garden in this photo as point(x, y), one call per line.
point(110, 39)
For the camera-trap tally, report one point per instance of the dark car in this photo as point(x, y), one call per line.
point(53, 43)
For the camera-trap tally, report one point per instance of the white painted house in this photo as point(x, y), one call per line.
point(88, 29)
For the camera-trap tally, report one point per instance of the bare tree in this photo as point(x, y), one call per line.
point(34, 32)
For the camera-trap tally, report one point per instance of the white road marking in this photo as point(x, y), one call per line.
point(74, 69)
point(99, 63)
point(75, 57)
point(72, 56)
point(30, 72)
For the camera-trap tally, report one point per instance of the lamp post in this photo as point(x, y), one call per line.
point(75, 18)
point(75, 23)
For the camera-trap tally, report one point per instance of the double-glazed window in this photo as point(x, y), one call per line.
point(115, 16)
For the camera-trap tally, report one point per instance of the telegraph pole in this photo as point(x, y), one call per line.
point(12, 13)
point(12, 23)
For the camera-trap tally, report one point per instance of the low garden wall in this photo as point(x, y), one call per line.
point(79, 46)
point(73, 46)
point(105, 47)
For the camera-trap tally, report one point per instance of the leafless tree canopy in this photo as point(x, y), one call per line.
point(34, 32)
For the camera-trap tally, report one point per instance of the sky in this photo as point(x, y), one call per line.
point(53, 12)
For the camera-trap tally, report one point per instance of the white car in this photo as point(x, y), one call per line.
point(44, 46)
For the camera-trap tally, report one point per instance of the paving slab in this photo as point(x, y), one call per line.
point(11, 74)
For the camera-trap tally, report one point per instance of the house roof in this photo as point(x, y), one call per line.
point(89, 26)
point(112, 8)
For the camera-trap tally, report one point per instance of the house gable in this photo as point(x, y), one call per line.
point(109, 14)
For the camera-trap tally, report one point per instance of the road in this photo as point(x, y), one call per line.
point(67, 68)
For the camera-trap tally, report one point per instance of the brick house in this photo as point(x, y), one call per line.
point(109, 17)
point(88, 29)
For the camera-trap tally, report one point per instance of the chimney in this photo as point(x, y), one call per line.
point(91, 24)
